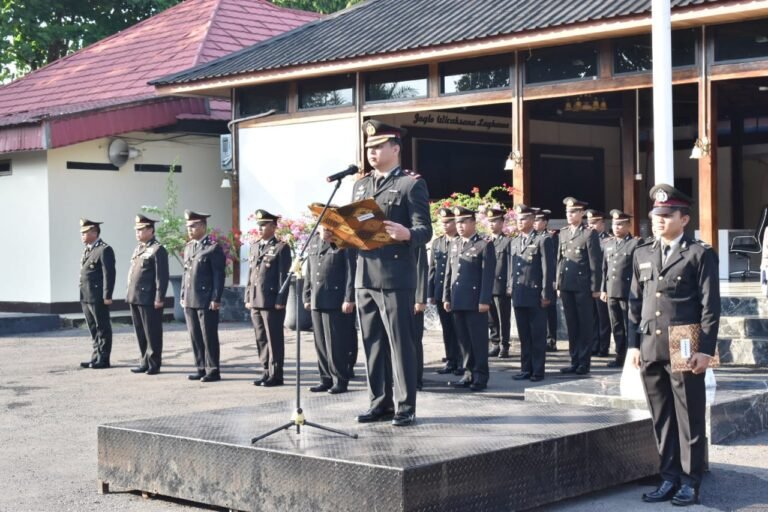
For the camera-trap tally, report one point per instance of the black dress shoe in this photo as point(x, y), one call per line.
point(214, 376)
point(340, 387)
point(522, 376)
point(459, 371)
point(449, 368)
point(196, 376)
point(374, 415)
point(581, 370)
point(478, 386)
point(664, 492)
point(568, 369)
point(85, 364)
point(259, 382)
point(536, 378)
point(504, 353)
point(153, 371)
point(319, 388)
point(686, 496)
point(272, 382)
point(403, 419)
point(494, 351)
point(615, 364)
point(139, 369)
point(100, 366)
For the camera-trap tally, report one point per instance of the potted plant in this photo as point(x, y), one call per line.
point(495, 198)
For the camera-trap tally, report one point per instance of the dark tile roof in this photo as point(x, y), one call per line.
point(384, 26)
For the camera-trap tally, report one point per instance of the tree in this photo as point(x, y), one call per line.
point(321, 6)
point(34, 33)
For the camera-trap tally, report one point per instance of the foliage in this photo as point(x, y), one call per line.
point(34, 33)
point(295, 232)
point(321, 6)
point(496, 198)
point(230, 244)
point(171, 228)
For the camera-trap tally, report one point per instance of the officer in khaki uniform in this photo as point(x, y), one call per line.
point(97, 282)
point(147, 284)
point(617, 277)
point(202, 286)
point(579, 265)
point(500, 315)
point(531, 266)
point(468, 293)
point(269, 262)
point(437, 263)
point(674, 282)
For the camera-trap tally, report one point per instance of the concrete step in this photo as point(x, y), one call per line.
point(744, 306)
point(18, 323)
point(743, 351)
point(743, 327)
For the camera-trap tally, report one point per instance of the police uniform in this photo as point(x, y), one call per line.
point(201, 284)
point(329, 283)
point(437, 264)
point(531, 267)
point(617, 278)
point(500, 314)
point(97, 282)
point(469, 279)
point(601, 334)
point(674, 284)
point(147, 284)
point(385, 283)
point(579, 265)
point(269, 263)
point(420, 297)
point(551, 309)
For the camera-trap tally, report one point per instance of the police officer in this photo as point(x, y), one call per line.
point(385, 280)
point(500, 315)
point(617, 277)
point(269, 262)
point(579, 265)
point(97, 282)
point(329, 292)
point(541, 225)
point(202, 285)
point(419, 307)
point(437, 263)
point(674, 282)
point(468, 293)
point(147, 284)
point(531, 266)
point(601, 337)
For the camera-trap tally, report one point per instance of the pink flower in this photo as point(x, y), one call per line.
point(475, 190)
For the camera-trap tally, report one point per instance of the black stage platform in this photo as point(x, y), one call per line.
point(465, 453)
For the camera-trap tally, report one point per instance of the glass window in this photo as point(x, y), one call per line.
point(633, 54)
point(475, 74)
point(263, 98)
point(570, 62)
point(336, 91)
point(741, 41)
point(397, 84)
point(5, 168)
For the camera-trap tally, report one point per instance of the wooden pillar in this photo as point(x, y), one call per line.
point(629, 159)
point(707, 201)
point(521, 175)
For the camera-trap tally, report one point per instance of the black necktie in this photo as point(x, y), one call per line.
point(379, 181)
point(667, 250)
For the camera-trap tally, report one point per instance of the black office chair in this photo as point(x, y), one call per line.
point(746, 246)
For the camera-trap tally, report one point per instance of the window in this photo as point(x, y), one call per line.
point(633, 54)
point(5, 168)
point(337, 91)
point(475, 74)
point(156, 168)
point(257, 100)
point(571, 62)
point(741, 41)
point(397, 84)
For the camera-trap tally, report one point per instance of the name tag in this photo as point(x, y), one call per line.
point(647, 264)
point(685, 348)
point(366, 216)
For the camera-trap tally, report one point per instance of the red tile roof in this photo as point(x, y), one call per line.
point(116, 70)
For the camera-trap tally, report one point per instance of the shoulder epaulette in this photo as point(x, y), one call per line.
point(701, 243)
point(412, 174)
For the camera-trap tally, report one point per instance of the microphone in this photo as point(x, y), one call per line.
point(349, 171)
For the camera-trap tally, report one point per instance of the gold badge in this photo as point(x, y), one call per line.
point(570, 202)
point(370, 129)
point(444, 213)
point(456, 211)
point(82, 222)
point(616, 215)
point(259, 215)
point(661, 195)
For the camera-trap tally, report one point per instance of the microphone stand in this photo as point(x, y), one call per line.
point(297, 418)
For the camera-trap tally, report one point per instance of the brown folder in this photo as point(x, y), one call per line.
point(359, 224)
point(683, 343)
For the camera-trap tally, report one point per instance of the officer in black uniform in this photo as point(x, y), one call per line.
point(437, 263)
point(468, 293)
point(579, 265)
point(617, 277)
point(674, 282)
point(147, 284)
point(541, 225)
point(269, 262)
point(97, 282)
point(202, 285)
point(419, 307)
point(329, 292)
point(531, 266)
point(500, 315)
point(601, 337)
point(385, 280)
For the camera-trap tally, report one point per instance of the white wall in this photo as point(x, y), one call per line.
point(25, 260)
point(116, 197)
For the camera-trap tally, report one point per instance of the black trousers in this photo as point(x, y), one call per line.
point(601, 333)
point(386, 322)
point(531, 328)
point(335, 335)
point(677, 401)
point(552, 322)
point(270, 340)
point(203, 327)
point(617, 310)
point(579, 308)
point(100, 326)
point(499, 319)
point(148, 325)
point(418, 344)
point(472, 333)
point(452, 349)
